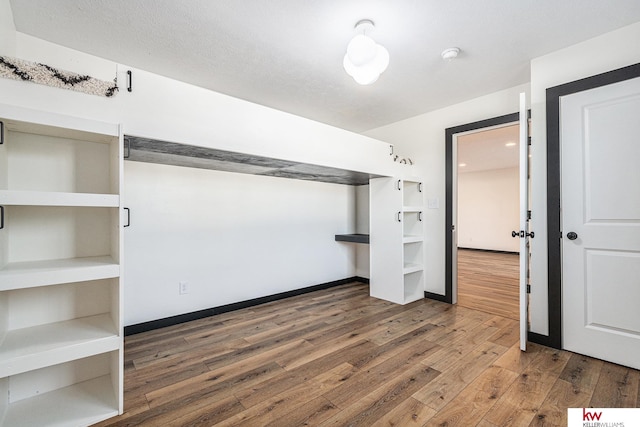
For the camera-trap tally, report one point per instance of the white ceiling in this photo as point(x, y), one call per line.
point(487, 149)
point(287, 54)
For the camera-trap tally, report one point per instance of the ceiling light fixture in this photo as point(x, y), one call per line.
point(450, 53)
point(365, 60)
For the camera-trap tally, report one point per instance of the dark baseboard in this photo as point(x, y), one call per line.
point(195, 315)
point(490, 250)
point(542, 340)
point(437, 297)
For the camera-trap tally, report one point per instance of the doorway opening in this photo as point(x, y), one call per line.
point(451, 174)
point(487, 206)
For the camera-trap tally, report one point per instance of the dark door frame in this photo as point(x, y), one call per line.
point(554, 229)
point(449, 168)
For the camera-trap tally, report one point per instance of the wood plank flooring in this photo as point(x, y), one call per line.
point(488, 281)
point(338, 357)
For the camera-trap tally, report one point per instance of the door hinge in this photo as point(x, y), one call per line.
point(528, 289)
point(529, 214)
point(528, 140)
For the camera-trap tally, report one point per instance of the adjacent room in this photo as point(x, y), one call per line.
point(487, 213)
point(285, 213)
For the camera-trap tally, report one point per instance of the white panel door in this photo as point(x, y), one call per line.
point(600, 205)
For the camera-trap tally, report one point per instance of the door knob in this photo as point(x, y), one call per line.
point(522, 234)
point(572, 235)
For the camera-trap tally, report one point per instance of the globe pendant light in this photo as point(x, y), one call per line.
point(365, 60)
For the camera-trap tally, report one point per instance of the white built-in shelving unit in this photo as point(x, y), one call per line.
point(61, 332)
point(396, 239)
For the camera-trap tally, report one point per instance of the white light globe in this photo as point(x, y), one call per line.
point(365, 60)
point(348, 66)
point(363, 74)
point(366, 77)
point(361, 50)
point(382, 58)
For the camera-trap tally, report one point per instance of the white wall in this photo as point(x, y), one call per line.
point(7, 30)
point(162, 108)
point(232, 237)
point(362, 227)
point(423, 137)
point(604, 53)
point(488, 209)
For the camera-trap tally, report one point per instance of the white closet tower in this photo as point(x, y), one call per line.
point(61, 332)
point(397, 239)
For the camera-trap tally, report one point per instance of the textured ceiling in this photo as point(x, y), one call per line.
point(488, 149)
point(287, 54)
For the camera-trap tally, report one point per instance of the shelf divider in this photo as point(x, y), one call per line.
point(55, 198)
point(31, 274)
point(81, 404)
point(40, 346)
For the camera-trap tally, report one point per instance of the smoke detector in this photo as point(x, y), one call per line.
point(450, 53)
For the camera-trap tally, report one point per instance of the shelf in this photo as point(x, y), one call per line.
point(58, 161)
point(50, 344)
point(412, 239)
point(353, 238)
point(412, 208)
point(43, 273)
point(81, 404)
point(413, 295)
point(411, 268)
point(53, 198)
point(412, 195)
point(18, 119)
point(61, 332)
point(45, 345)
point(141, 149)
point(413, 289)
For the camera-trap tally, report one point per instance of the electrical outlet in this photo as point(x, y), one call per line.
point(183, 288)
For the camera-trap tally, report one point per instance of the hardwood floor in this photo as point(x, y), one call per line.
point(488, 281)
point(339, 357)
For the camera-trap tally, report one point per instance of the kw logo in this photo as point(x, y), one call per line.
point(590, 416)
